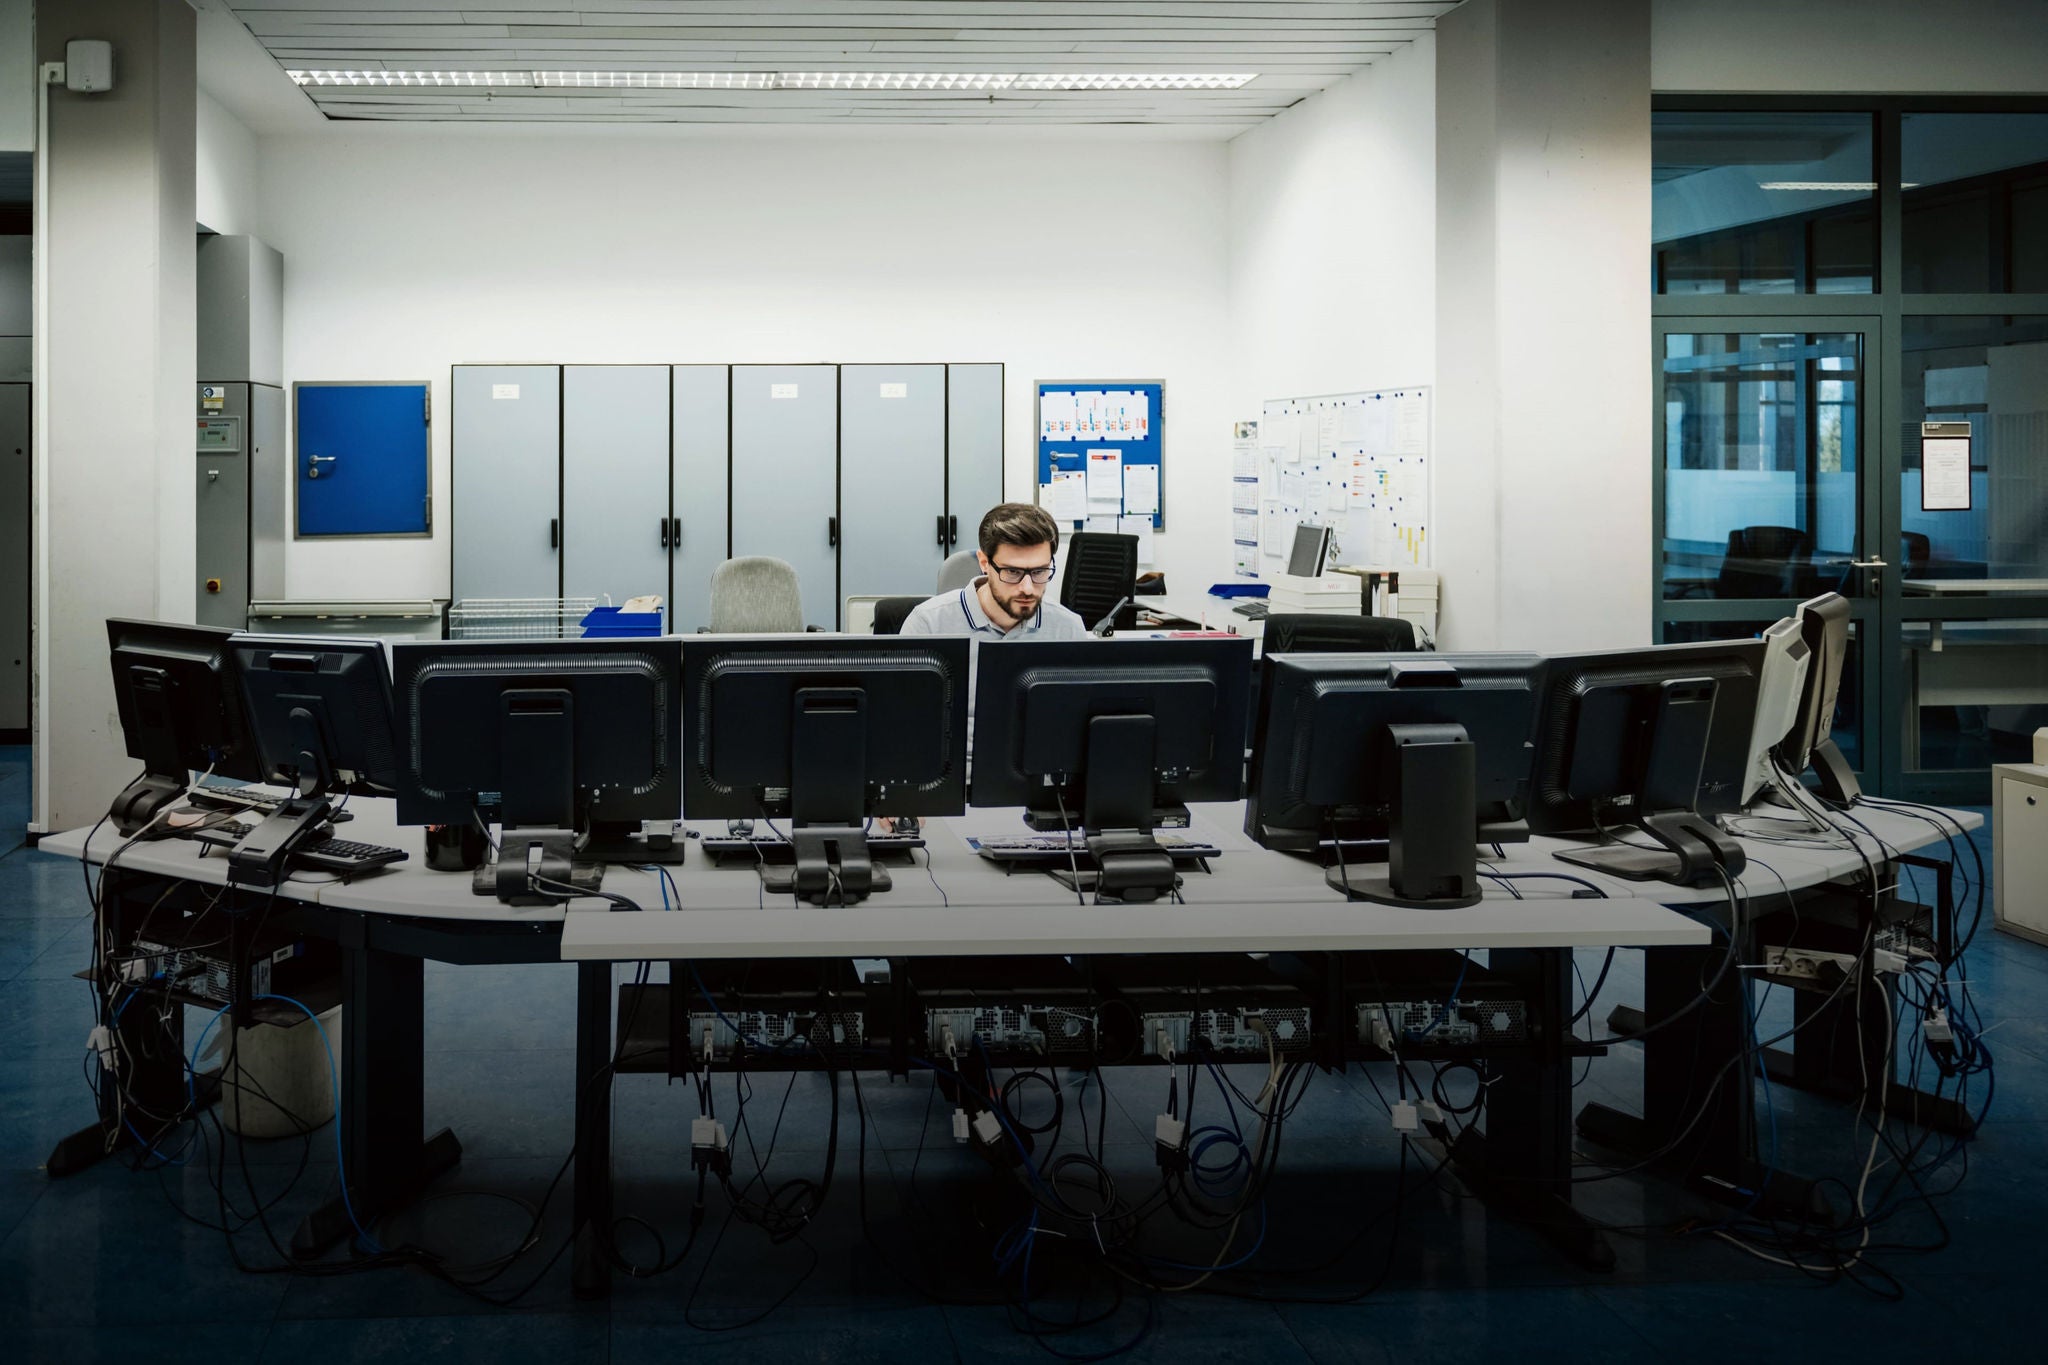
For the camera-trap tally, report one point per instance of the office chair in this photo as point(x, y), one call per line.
point(961, 568)
point(1101, 571)
point(1324, 633)
point(1763, 561)
point(756, 594)
point(1916, 551)
point(891, 611)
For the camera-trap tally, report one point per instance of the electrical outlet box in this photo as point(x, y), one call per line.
point(88, 66)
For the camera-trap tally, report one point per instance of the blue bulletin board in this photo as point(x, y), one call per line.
point(1099, 454)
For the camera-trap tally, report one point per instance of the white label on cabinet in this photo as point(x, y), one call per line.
point(895, 390)
point(504, 390)
point(782, 390)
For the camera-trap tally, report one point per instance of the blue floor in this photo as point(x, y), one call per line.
point(101, 1267)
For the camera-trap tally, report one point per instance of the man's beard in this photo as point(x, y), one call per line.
point(1021, 610)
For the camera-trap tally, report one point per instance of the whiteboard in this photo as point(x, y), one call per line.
point(1358, 463)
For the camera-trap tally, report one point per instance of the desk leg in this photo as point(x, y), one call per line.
point(383, 1101)
point(592, 1217)
point(1709, 1151)
point(1522, 1164)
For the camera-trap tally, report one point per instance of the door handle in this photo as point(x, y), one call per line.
point(664, 533)
point(832, 532)
point(952, 532)
point(313, 463)
point(942, 531)
point(554, 533)
point(675, 532)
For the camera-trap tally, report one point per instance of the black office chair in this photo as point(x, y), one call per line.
point(1324, 633)
point(1764, 561)
point(1102, 570)
point(891, 611)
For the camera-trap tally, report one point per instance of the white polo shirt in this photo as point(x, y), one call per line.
point(960, 613)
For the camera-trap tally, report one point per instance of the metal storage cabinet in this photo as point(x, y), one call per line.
point(785, 495)
point(615, 496)
point(698, 491)
point(974, 449)
point(14, 560)
point(892, 461)
point(507, 443)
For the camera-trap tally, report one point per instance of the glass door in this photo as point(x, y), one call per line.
point(1764, 488)
point(1966, 618)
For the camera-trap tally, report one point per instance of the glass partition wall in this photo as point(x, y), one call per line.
point(1850, 368)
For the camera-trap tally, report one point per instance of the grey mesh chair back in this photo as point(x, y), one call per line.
point(755, 593)
point(961, 568)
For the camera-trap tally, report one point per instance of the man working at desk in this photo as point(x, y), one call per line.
point(1007, 602)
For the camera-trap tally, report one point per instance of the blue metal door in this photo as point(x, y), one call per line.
point(361, 459)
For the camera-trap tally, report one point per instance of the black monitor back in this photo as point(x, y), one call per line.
point(1593, 735)
point(450, 704)
point(179, 706)
point(740, 695)
point(1824, 629)
point(1034, 699)
point(342, 689)
point(1321, 754)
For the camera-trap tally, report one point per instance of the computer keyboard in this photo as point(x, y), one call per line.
point(1255, 609)
point(238, 798)
point(1034, 848)
point(773, 848)
point(345, 856)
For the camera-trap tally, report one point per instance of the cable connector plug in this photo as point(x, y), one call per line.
point(1941, 1035)
point(1170, 1142)
point(993, 1142)
point(708, 1150)
point(1885, 962)
point(961, 1127)
point(101, 1040)
point(1407, 1118)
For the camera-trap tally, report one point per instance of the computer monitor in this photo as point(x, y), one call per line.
point(1311, 553)
point(1112, 738)
point(180, 713)
point(571, 743)
point(319, 710)
point(1429, 752)
point(825, 731)
point(1824, 627)
point(1780, 684)
point(1654, 738)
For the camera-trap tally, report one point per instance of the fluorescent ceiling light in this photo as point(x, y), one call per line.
point(1830, 186)
point(787, 80)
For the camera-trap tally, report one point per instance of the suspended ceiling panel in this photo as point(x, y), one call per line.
point(787, 61)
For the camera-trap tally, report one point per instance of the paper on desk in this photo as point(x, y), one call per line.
point(1141, 527)
point(1106, 477)
point(1141, 488)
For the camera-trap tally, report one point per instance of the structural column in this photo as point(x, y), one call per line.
point(1543, 323)
point(116, 368)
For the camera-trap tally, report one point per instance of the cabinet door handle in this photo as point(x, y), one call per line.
point(832, 532)
point(942, 531)
point(554, 533)
point(675, 532)
point(952, 532)
point(664, 533)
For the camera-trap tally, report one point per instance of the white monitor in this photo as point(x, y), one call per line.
point(1779, 688)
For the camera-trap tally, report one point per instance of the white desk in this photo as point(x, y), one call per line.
point(1206, 612)
point(1972, 587)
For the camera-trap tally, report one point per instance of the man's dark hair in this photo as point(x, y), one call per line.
point(1017, 523)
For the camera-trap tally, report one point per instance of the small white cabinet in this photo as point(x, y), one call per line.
point(2019, 849)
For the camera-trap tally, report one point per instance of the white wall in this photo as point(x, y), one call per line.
point(1333, 239)
point(408, 251)
point(1990, 47)
point(226, 189)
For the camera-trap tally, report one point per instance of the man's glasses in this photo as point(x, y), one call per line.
point(1040, 576)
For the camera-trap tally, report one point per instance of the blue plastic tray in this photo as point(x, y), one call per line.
point(610, 623)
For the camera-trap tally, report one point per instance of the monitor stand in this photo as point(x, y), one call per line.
point(1693, 849)
point(828, 763)
point(547, 854)
point(1432, 858)
point(538, 861)
point(1118, 816)
point(142, 801)
point(1837, 780)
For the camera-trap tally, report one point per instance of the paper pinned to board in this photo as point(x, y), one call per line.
point(1411, 424)
point(1141, 488)
point(1065, 497)
point(1141, 527)
point(1106, 477)
point(1101, 526)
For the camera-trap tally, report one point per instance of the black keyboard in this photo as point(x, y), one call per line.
point(238, 799)
point(345, 856)
point(1255, 609)
point(773, 848)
